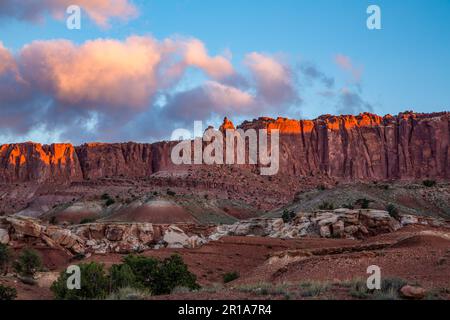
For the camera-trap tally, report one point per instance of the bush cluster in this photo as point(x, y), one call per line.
point(144, 274)
point(5, 256)
point(326, 206)
point(230, 276)
point(7, 293)
point(28, 263)
point(393, 211)
point(288, 216)
point(429, 183)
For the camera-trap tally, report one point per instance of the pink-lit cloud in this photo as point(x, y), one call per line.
point(210, 98)
point(7, 62)
point(100, 11)
point(216, 67)
point(98, 74)
point(274, 80)
point(346, 64)
point(98, 89)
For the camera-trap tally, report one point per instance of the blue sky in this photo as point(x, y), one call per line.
point(404, 66)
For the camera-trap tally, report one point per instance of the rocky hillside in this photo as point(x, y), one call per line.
point(364, 147)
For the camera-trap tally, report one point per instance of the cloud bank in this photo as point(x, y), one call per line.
point(114, 90)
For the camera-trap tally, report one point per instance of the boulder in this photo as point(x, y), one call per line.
point(4, 236)
point(328, 221)
point(350, 230)
point(325, 231)
point(63, 237)
point(277, 224)
point(96, 231)
point(146, 233)
point(46, 279)
point(24, 226)
point(413, 292)
point(241, 229)
point(176, 238)
point(338, 229)
point(377, 215)
point(408, 219)
point(114, 232)
point(196, 242)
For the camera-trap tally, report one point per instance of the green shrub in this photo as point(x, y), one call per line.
point(358, 289)
point(94, 284)
point(393, 211)
point(364, 203)
point(265, 289)
point(78, 257)
point(121, 276)
point(110, 202)
point(429, 183)
point(108, 199)
point(145, 269)
point(326, 206)
point(7, 293)
point(288, 216)
point(180, 289)
point(390, 288)
point(230, 276)
point(129, 294)
point(173, 272)
point(350, 206)
point(5, 257)
point(313, 288)
point(87, 220)
point(138, 274)
point(105, 196)
point(392, 283)
point(161, 277)
point(28, 263)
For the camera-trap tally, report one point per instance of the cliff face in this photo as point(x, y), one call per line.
point(114, 160)
point(364, 147)
point(35, 162)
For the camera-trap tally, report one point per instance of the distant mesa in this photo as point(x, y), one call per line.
point(366, 147)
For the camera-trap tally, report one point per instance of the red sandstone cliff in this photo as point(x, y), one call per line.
point(35, 162)
point(366, 147)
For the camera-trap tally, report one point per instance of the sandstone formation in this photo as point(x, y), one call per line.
point(35, 162)
point(100, 238)
point(125, 238)
point(340, 223)
point(364, 147)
